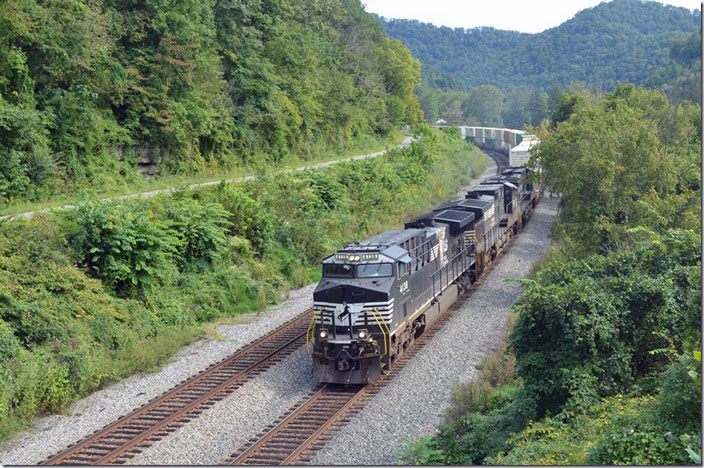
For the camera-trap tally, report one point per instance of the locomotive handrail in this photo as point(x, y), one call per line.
point(310, 338)
point(376, 315)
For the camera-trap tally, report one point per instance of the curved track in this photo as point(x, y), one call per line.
point(292, 439)
point(121, 440)
point(499, 158)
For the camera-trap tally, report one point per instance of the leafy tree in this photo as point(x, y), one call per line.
point(680, 79)
point(26, 163)
point(93, 87)
point(554, 96)
point(537, 108)
point(565, 106)
point(485, 105)
point(401, 74)
point(513, 112)
point(620, 163)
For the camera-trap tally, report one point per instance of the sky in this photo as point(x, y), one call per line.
point(519, 15)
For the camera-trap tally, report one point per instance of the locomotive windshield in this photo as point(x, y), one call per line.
point(370, 270)
point(337, 270)
point(365, 270)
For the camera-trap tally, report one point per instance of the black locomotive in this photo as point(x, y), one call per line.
point(378, 295)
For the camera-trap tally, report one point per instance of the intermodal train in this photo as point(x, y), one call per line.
point(378, 295)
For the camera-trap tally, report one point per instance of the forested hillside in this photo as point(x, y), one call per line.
point(89, 87)
point(681, 78)
point(618, 41)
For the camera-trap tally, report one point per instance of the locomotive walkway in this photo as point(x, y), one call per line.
point(152, 193)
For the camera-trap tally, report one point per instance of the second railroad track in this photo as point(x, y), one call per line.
point(121, 440)
point(295, 437)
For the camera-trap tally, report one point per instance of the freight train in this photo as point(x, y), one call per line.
point(378, 295)
point(515, 144)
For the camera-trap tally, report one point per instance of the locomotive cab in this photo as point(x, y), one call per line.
point(366, 303)
point(355, 306)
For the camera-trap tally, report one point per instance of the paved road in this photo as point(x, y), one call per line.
point(30, 214)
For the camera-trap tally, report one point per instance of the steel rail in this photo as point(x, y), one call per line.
point(304, 444)
point(188, 399)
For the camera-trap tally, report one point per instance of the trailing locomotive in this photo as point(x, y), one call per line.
point(377, 296)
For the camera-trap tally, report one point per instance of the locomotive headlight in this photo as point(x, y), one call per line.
point(356, 258)
point(362, 334)
point(323, 334)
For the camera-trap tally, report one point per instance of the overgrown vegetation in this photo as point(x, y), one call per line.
point(608, 336)
point(93, 295)
point(89, 89)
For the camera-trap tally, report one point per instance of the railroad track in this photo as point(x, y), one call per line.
point(328, 406)
point(121, 440)
point(295, 437)
point(500, 159)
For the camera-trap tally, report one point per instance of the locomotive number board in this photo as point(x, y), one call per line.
point(349, 257)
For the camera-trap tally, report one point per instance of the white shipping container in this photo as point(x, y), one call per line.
point(520, 155)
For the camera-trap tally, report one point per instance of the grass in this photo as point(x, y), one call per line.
point(149, 355)
point(176, 181)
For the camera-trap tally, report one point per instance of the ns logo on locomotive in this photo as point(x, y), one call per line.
point(377, 296)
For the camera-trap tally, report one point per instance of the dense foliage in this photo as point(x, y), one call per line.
point(607, 341)
point(487, 106)
point(596, 328)
point(629, 159)
point(90, 88)
point(92, 295)
point(613, 42)
point(606, 368)
point(680, 79)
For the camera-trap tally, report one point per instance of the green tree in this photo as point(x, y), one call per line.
point(513, 113)
point(401, 75)
point(537, 108)
point(620, 163)
point(485, 105)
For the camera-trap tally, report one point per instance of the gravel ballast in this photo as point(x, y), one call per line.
point(51, 434)
point(411, 404)
point(219, 431)
point(408, 407)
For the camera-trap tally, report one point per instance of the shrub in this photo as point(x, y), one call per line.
point(201, 228)
point(123, 245)
point(246, 216)
point(26, 162)
point(421, 452)
point(593, 328)
point(10, 346)
point(635, 437)
point(680, 394)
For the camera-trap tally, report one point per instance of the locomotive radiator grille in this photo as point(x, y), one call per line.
point(470, 237)
point(327, 309)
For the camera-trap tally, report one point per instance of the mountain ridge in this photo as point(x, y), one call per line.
point(618, 41)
